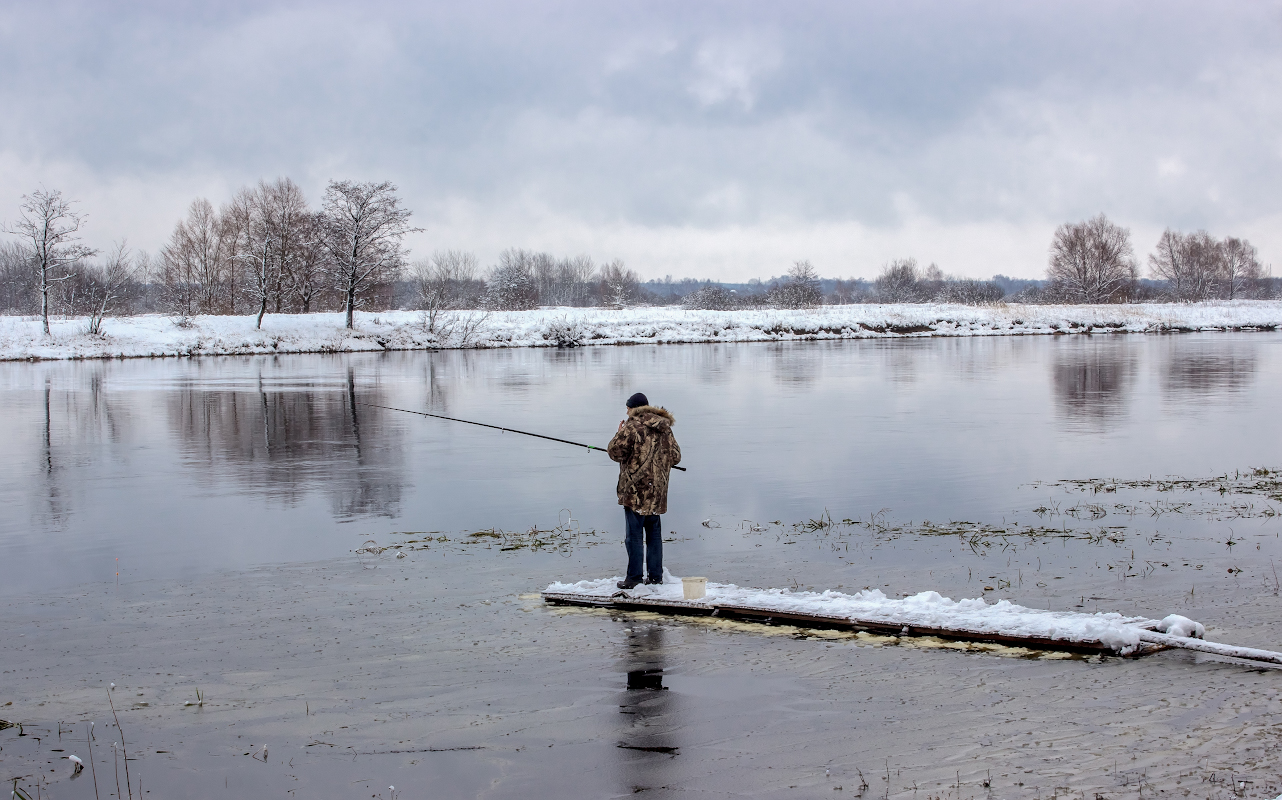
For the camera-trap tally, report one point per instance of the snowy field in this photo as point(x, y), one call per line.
point(159, 335)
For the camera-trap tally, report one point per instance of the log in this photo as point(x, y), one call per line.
point(1215, 648)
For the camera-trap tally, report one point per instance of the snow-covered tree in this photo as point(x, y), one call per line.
point(49, 230)
point(364, 224)
point(512, 285)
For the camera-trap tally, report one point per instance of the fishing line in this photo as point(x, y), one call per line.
point(495, 427)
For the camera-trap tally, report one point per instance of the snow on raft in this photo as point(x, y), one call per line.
point(924, 614)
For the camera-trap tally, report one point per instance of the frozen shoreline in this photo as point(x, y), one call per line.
point(155, 335)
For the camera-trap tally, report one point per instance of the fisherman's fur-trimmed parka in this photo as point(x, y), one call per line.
point(646, 450)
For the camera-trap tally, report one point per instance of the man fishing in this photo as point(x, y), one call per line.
point(646, 450)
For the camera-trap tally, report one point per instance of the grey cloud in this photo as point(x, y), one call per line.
point(720, 117)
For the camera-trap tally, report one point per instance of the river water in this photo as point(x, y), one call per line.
point(218, 524)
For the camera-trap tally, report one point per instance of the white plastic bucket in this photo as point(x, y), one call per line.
point(694, 588)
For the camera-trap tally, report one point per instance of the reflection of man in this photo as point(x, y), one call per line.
point(646, 451)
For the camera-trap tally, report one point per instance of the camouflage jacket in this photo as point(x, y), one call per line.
point(646, 450)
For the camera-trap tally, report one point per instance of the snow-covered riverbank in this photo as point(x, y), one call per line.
point(158, 335)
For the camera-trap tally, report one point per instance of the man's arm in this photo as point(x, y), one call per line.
point(620, 447)
point(676, 450)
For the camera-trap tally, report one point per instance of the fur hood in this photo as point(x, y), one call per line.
point(662, 413)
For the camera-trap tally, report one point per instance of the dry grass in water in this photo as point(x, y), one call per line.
point(978, 536)
point(563, 538)
point(1261, 481)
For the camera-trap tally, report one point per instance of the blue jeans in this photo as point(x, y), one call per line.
point(644, 535)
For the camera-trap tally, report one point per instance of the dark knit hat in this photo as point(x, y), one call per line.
point(637, 400)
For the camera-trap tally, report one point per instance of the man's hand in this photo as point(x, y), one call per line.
point(621, 424)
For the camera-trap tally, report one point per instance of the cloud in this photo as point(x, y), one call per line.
point(723, 139)
point(727, 70)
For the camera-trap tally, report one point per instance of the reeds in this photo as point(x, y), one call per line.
point(124, 752)
point(1262, 481)
point(975, 535)
point(563, 538)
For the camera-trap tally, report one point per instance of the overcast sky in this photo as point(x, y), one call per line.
point(720, 140)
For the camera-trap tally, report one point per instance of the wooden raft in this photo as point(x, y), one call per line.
point(766, 616)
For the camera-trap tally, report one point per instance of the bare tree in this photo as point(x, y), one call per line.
point(620, 286)
point(108, 283)
point(898, 281)
point(543, 267)
point(262, 216)
point(364, 226)
point(306, 273)
point(430, 292)
point(459, 272)
point(237, 217)
point(1092, 261)
point(852, 290)
point(282, 214)
point(445, 281)
point(16, 284)
point(1190, 263)
point(455, 266)
point(194, 269)
point(970, 292)
point(573, 283)
point(800, 290)
point(49, 229)
point(1240, 268)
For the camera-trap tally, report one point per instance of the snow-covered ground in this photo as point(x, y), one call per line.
point(926, 610)
point(158, 335)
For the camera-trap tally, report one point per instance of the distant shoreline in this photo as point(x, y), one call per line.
point(161, 336)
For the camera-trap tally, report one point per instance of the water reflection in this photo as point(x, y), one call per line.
point(796, 367)
point(648, 712)
point(54, 507)
point(1199, 374)
point(285, 442)
point(1093, 381)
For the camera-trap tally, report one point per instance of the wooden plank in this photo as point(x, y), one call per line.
point(770, 616)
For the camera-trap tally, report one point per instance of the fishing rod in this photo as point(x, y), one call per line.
point(495, 427)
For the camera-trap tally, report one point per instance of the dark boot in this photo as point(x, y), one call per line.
point(630, 583)
point(653, 581)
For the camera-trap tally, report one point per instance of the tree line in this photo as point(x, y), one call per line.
point(1093, 262)
point(264, 250)
point(268, 251)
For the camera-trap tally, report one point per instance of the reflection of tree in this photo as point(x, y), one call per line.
point(1201, 373)
point(648, 712)
point(291, 441)
point(78, 416)
point(796, 366)
point(1092, 381)
point(900, 360)
point(55, 505)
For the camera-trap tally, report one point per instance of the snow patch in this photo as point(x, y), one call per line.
point(924, 610)
point(1176, 625)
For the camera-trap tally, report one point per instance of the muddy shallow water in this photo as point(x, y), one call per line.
point(236, 493)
